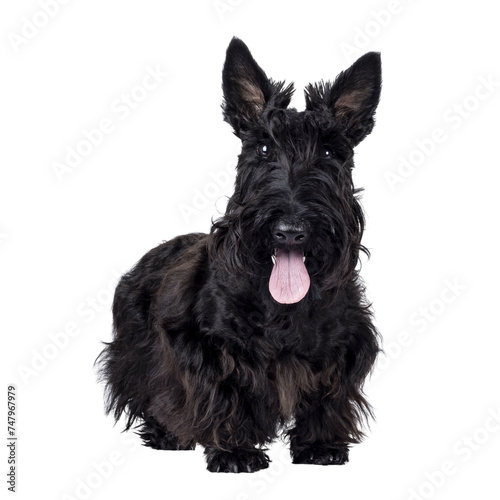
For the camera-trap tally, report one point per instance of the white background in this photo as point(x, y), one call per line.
point(433, 235)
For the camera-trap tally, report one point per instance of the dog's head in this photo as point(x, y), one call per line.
point(294, 218)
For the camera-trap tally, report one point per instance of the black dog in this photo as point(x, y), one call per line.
point(225, 339)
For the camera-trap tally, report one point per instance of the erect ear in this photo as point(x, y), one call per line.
point(247, 90)
point(352, 98)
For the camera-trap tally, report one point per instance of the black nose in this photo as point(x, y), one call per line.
point(290, 234)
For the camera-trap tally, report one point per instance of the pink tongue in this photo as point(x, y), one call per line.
point(289, 280)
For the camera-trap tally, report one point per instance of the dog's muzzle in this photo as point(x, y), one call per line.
point(289, 281)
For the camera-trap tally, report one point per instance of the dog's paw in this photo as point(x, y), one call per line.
point(157, 437)
point(321, 455)
point(236, 460)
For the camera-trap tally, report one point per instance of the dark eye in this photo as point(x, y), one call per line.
point(327, 153)
point(263, 150)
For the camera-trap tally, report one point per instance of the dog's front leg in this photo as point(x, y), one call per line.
point(224, 406)
point(328, 420)
point(237, 434)
point(239, 425)
point(324, 427)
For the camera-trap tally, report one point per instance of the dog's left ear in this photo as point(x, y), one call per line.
point(247, 90)
point(352, 98)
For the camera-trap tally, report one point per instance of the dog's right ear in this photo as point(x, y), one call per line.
point(247, 90)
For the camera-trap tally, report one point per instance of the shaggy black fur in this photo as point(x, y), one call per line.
point(202, 352)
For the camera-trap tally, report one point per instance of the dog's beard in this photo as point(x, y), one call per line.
point(289, 281)
point(241, 245)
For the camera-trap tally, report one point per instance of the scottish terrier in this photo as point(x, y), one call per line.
point(260, 328)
